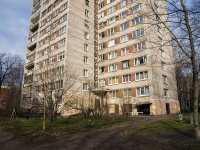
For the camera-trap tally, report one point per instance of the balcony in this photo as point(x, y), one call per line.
point(28, 79)
point(35, 16)
point(34, 27)
point(32, 43)
point(29, 64)
point(29, 53)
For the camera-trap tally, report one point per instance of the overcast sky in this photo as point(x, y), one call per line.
point(14, 25)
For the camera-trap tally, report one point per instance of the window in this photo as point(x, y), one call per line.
point(49, 18)
point(52, 47)
point(111, 20)
point(43, 13)
point(126, 64)
point(46, 39)
point(164, 78)
point(112, 67)
point(87, 2)
point(85, 72)
point(61, 43)
point(101, 58)
point(101, 14)
point(60, 70)
point(63, 18)
point(86, 47)
point(126, 78)
point(101, 35)
point(45, 51)
point(54, 35)
point(111, 42)
point(55, 13)
point(160, 41)
point(38, 65)
point(61, 56)
point(122, 4)
point(111, 10)
point(137, 20)
point(41, 33)
point(123, 15)
point(50, 8)
point(101, 46)
point(42, 23)
point(163, 66)
point(101, 25)
point(52, 60)
point(85, 86)
point(136, 8)
point(123, 26)
point(162, 53)
point(132, 1)
point(112, 54)
point(64, 6)
point(45, 3)
point(114, 94)
point(138, 33)
point(86, 24)
point(139, 46)
point(125, 51)
point(39, 54)
point(111, 31)
point(43, 75)
point(55, 24)
point(141, 75)
point(51, 73)
point(48, 28)
point(85, 60)
point(127, 93)
point(86, 13)
point(142, 91)
point(124, 38)
point(140, 60)
point(62, 30)
point(56, 3)
point(101, 70)
point(113, 80)
point(86, 35)
point(59, 84)
point(166, 92)
point(158, 28)
point(156, 7)
point(101, 5)
point(110, 1)
point(101, 82)
point(40, 43)
point(45, 62)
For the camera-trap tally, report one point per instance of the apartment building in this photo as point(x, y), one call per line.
point(61, 37)
point(109, 42)
point(134, 64)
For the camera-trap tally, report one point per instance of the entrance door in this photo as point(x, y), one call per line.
point(167, 108)
point(116, 109)
point(97, 103)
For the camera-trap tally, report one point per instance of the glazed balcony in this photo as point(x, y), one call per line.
point(32, 43)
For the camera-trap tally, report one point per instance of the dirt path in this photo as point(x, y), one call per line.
point(108, 139)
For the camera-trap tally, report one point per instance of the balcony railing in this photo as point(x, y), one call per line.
point(30, 64)
point(34, 27)
point(33, 41)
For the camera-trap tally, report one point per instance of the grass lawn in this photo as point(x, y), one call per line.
point(161, 126)
point(32, 129)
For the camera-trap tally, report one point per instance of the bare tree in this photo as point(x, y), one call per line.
point(180, 20)
point(7, 61)
point(14, 84)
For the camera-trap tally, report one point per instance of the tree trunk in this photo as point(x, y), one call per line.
point(194, 71)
